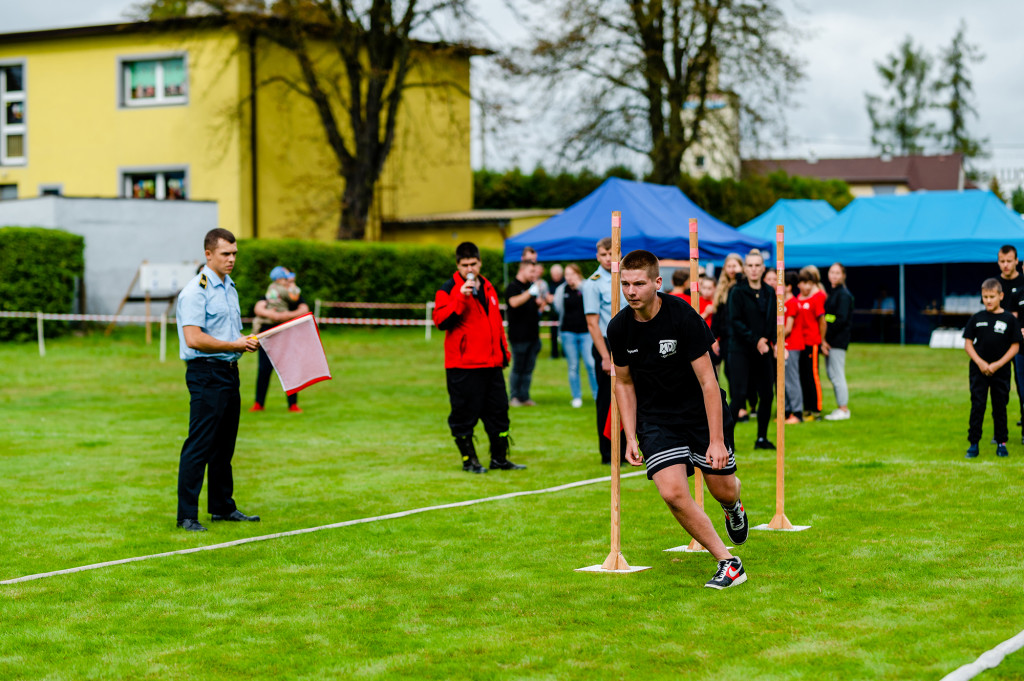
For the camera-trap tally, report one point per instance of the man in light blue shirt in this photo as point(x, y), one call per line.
point(597, 306)
point(210, 338)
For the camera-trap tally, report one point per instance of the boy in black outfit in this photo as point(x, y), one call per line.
point(673, 410)
point(992, 338)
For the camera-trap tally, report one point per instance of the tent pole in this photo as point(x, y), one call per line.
point(903, 305)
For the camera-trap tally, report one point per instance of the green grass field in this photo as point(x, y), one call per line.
point(913, 566)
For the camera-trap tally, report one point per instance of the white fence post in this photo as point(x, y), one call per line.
point(163, 337)
point(39, 331)
point(429, 319)
point(316, 309)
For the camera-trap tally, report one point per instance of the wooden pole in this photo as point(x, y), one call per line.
point(779, 520)
point(149, 329)
point(698, 477)
point(615, 561)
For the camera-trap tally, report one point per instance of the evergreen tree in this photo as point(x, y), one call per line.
point(897, 119)
point(954, 88)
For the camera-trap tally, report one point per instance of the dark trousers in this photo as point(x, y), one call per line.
point(999, 385)
point(752, 372)
point(477, 395)
point(266, 368)
point(554, 342)
point(1018, 368)
point(810, 379)
point(603, 403)
point(524, 359)
point(212, 428)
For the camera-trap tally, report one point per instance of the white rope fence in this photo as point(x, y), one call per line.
point(427, 322)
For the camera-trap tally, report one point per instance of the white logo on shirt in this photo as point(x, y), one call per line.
point(999, 327)
point(632, 352)
point(667, 348)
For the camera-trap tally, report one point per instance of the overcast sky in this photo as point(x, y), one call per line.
point(844, 38)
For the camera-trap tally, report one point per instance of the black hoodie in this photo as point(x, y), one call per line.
point(751, 316)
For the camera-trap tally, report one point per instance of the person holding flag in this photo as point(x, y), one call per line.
point(673, 411)
point(475, 352)
point(211, 341)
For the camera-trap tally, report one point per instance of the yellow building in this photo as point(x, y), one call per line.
point(164, 111)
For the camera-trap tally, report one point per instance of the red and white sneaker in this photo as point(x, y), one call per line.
point(730, 573)
point(736, 524)
point(295, 408)
point(256, 407)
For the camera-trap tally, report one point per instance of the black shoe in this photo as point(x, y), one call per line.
point(236, 516)
point(473, 466)
point(191, 525)
point(1001, 450)
point(736, 524)
point(972, 451)
point(763, 443)
point(730, 573)
point(505, 465)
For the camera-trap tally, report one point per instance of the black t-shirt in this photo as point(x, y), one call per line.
point(523, 321)
point(658, 353)
point(992, 334)
point(1013, 292)
point(573, 319)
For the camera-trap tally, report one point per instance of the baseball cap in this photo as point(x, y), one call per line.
point(279, 272)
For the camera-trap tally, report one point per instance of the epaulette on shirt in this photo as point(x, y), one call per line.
point(595, 277)
point(202, 280)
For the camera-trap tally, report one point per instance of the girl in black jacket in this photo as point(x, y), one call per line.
point(751, 331)
point(839, 316)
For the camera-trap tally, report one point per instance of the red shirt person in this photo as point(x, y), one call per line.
point(475, 352)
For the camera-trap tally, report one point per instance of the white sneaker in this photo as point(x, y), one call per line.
point(838, 415)
point(577, 403)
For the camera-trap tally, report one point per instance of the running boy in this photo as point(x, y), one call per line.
point(992, 339)
point(673, 408)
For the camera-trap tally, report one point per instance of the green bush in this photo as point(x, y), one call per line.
point(38, 268)
point(353, 271)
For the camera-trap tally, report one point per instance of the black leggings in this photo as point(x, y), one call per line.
point(751, 372)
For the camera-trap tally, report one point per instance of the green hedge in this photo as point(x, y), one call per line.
point(38, 268)
point(352, 271)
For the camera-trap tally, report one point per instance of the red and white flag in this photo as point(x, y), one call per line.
point(295, 350)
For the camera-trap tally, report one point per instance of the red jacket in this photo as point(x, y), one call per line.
point(474, 332)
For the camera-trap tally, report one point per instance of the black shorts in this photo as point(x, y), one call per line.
point(666, 445)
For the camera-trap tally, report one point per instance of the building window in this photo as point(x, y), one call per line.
point(51, 190)
point(154, 82)
point(8, 192)
point(12, 114)
point(701, 161)
point(170, 185)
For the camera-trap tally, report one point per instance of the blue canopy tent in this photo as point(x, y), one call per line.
point(800, 217)
point(654, 218)
point(911, 229)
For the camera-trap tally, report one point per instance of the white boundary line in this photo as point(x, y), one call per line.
point(292, 533)
point(988, 660)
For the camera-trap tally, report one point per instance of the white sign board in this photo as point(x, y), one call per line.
point(158, 279)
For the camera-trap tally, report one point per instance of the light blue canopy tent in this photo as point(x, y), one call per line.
point(911, 229)
point(800, 217)
point(654, 218)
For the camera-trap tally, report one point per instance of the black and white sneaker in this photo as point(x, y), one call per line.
point(736, 524)
point(730, 573)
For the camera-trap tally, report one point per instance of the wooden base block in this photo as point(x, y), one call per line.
point(780, 522)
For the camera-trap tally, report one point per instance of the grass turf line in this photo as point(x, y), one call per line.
point(910, 570)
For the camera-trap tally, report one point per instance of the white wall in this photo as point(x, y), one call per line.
point(119, 235)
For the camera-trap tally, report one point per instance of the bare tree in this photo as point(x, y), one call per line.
point(358, 105)
point(624, 71)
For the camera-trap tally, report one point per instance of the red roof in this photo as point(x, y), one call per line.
point(917, 172)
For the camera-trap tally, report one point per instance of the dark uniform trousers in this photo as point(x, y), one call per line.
point(999, 384)
point(477, 395)
point(603, 403)
point(212, 428)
